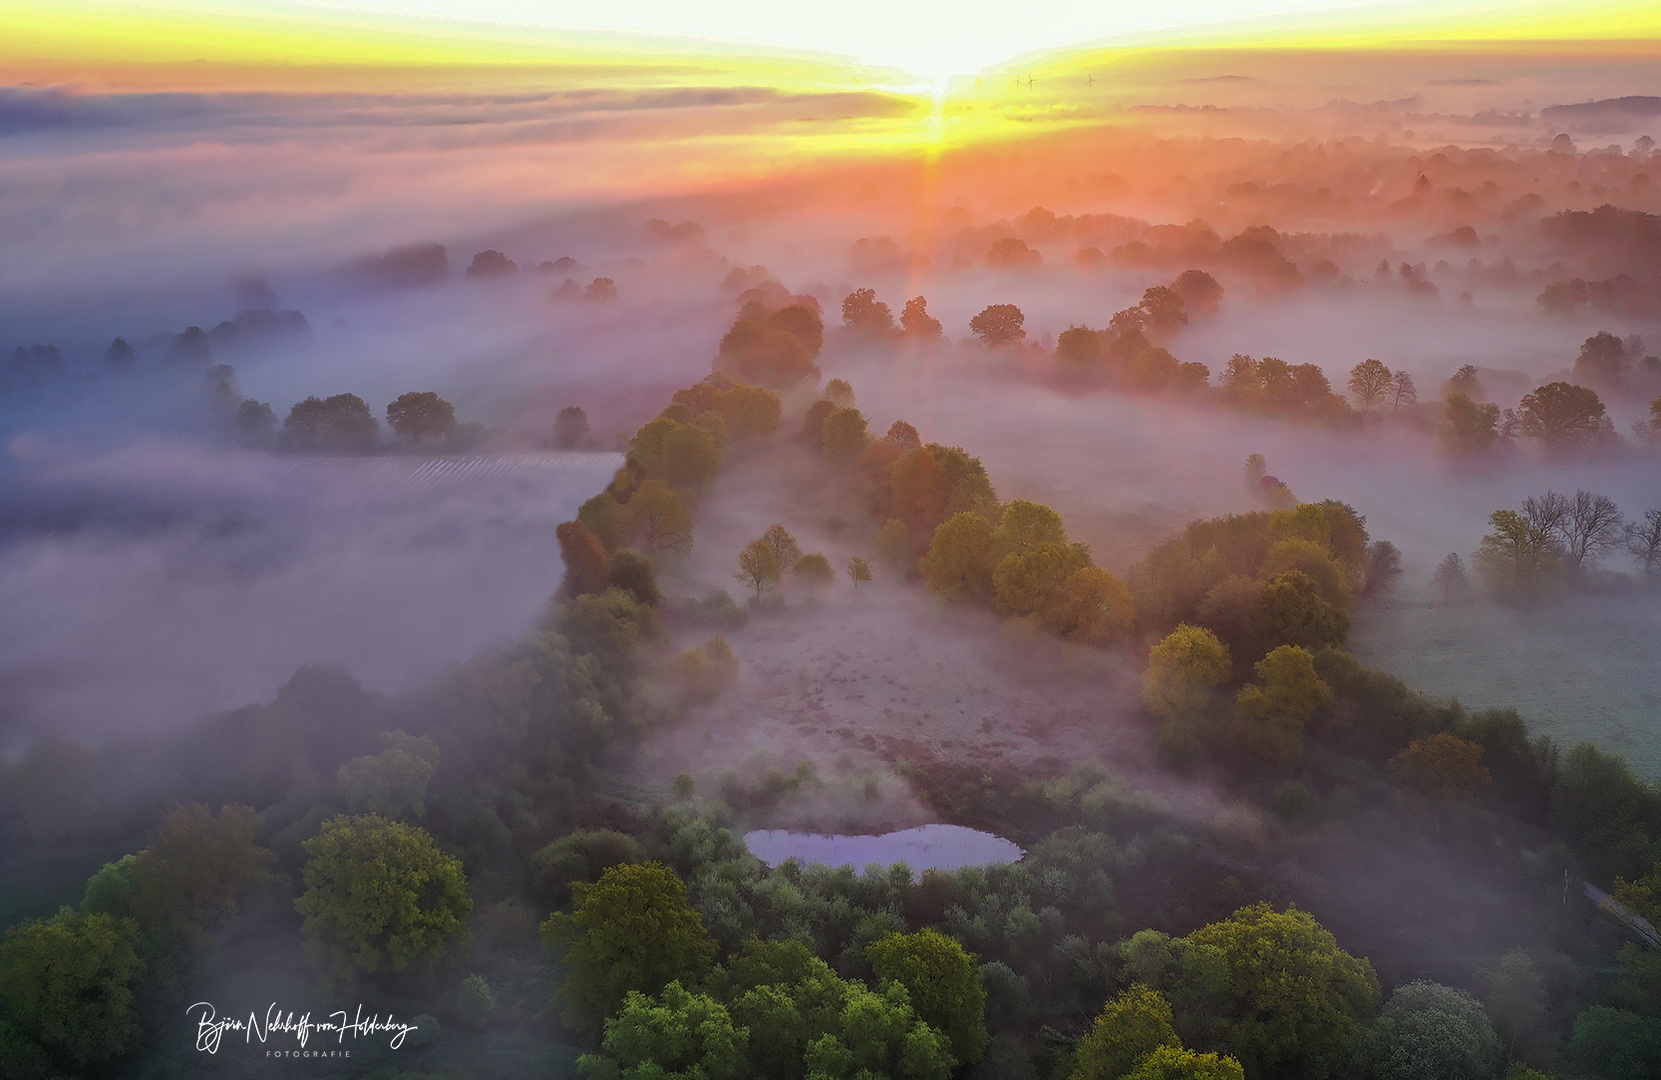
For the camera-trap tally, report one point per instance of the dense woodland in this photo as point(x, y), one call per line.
point(458, 856)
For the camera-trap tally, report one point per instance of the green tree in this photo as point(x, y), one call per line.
point(475, 1004)
point(1024, 524)
point(1164, 307)
point(1272, 712)
point(1612, 1044)
point(678, 1035)
point(846, 436)
point(631, 930)
point(197, 866)
point(1294, 612)
point(1184, 671)
point(420, 415)
point(1467, 427)
point(1177, 1063)
point(1518, 556)
point(1029, 579)
point(943, 981)
point(392, 783)
point(999, 324)
point(604, 517)
point(1128, 1029)
point(863, 313)
point(1090, 606)
point(579, 855)
point(751, 411)
point(758, 567)
point(657, 514)
point(67, 984)
point(1640, 981)
point(380, 896)
point(341, 422)
point(1431, 1032)
point(636, 574)
point(784, 545)
point(859, 572)
point(1560, 414)
point(959, 561)
point(1516, 1002)
point(1078, 345)
point(1291, 995)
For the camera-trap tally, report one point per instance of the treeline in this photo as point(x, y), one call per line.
point(1553, 540)
point(344, 423)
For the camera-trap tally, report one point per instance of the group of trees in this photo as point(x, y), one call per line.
point(1554, 536)
point(765, 561)
point(344, 423)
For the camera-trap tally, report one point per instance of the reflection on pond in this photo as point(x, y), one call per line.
point(926, 847)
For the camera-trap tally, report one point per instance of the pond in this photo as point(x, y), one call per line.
point(926, 847)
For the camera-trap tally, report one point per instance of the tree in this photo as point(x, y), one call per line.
point(1402, 391)
point(1602, 359)
point(1590, 528)
point(1164, 307)
point(783, 544)
point(758, 567)
point(67, 984)
point(392, 783)
point(579, 855)
point(1468, 428)
point(1184, 671)
point(197, 866)
point(675, 1034)
point(846, 436)
point(959, 561)
point(120, 355)
point(254, 423)
point(863, 313)
point(570, 427)
point(1290, 994)
point(840, 392)
point(1199, 290)
point(491, 263)
point(1273, 711)
point(1369, 383)
point(56, 785)
point(1090, 606)
point(1078, 345)
point(998, 324)
point(657, 514)
point(751, 411)
point(1516, 1001)
point(425, 415)
point(1431, 1032)
point(341, 422)
point(636, 574)
point(1294, 612)
point(813, 570)
point(1177, 1063)
point(1640, 982)
point(1518, 554)
point(1128, 1029)
point(1383, 567)
point(601, 290)
point(380, 897)
point(603, 516)
point(1442, 766)
point(1609, 1043)
point(859, 572)
point(587, 566)
point(475, 1004)
point(916, 321)
point(1449, 582)
point(631, 930)
point(1643, 540)
point(1029, 579)
point(1560, 414)
point(943, 982)
point(903, 435)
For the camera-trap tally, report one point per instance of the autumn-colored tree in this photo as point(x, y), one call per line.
point(813, 570)
point(1090, 606)
point(922, 492)
point(1442, 766)
point(1272, 712)
point(632, 930)
point(859, 572)
point(783, 544)
point(863, 313)
point(758, 567)
point(587, 566)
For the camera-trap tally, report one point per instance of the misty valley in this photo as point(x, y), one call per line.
point(1149, 577)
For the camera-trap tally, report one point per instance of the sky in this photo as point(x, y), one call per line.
point(903, 42)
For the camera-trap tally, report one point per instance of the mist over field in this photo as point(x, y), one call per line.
point(493, 490)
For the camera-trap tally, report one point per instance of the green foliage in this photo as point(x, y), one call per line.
point(570, 427)
point(1090, 606)
point(1516, 1001)
point(422, 415)
point(475, 1004)
point(1184, 670)
point(959, 561)
point(1291, 995)
point(67, 985)
point(631, 930)
point(813, 570)
point(1561, 414)
point(603, 516)
point(846, 436)
point(658, 516)
point(679, 1035)
point(610, 626)
point(1611, 1044)
point(1431, 1032)
point(1128, 1029)
point(392, 783)
point(1608, 815)
point(112, 890)
point(1272, 712)
point(678, 453)
point(943, 982)
point(1640, 982)
point(1177, 1063)
point(998, 324)
point(1029, 579)
point(1468, 428)
point(859, 571)
point(636, 574)
point(1518, 557)
point(380, 896)
point(581, 855)
point(758, 567)
point(1442, 766)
